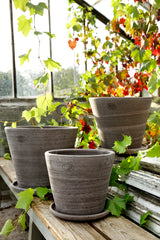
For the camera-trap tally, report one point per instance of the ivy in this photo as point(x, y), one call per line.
point(51, 64)
point(117, 204)
point(120, 146)
point(25, 199)
point(7, 228)
point(24, 25)
point(25, 57)
point(154, 151)
point(144, 218)
point(37, 9)
point(21, 4)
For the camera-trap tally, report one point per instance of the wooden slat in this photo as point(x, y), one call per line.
point(110, 228)
point(145, 181)
point(151, 164)
point(64, 230)
point(8, 169)
point(142, 203)
point(122, 229)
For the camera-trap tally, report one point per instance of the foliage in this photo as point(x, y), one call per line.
point(154, 151)
point(152, 133)
point(120, 146)
point(144, 218)
point(117, 204)
point(7, 156)
point(24, 203)
point(120, 67)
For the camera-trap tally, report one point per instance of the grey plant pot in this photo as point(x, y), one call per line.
point(79, 179)
point(118, 116)
point(28, 145)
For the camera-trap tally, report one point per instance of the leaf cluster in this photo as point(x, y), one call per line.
point(25, 199)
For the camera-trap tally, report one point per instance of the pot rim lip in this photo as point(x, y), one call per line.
point(42, 128)
point(127, 97)
point(102, 152)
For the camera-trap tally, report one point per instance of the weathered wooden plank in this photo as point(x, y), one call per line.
point(122, 229)
point(145, 181)
point(64, 230)
point(151, 224)
point(7, 167)
point(142, 203)
point(151, 164)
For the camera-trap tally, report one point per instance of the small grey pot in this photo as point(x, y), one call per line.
point(28, 145)
point(79, 179)
point(118, 116)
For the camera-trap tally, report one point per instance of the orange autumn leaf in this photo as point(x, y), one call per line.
point(72, 44)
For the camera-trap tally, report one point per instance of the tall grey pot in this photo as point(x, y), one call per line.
point(118, 116)
point(28, 145)
point(79, 179)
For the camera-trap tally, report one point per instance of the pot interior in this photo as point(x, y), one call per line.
point(81, 152)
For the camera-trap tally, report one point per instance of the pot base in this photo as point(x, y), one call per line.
point(79, 218)
point(17, 189)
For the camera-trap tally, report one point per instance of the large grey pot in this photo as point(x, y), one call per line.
point(28, 145)
point(79, 179)
point(118, 116)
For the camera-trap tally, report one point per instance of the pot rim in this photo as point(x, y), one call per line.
point(127, 97)
point(43, 127)
point(94, 152)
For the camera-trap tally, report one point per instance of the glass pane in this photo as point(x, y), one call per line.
point(103, 6)
point(65, 80)
point(39, 44)
point(6, 53)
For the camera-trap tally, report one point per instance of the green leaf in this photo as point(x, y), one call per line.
point(149, 66)
point(135, 12)
point(136, 54)
point(41, 192)
point(24, 25)
point(7, 228)
point(14, 124)
point(144, 217)
point(116, 205)
point(27, 115)
point(22, 221)
point(50, 35)
point(120, 146)
point(21, 4)
point(37, 33)
point(51, 64)
point(128, 198)
point(5, 123)
point(25, 57)
point(63, 109)
point(156, 4)
point(42, 79)
point(25, 199)
point(7, 156)
point(37, 9)
point(154, 83)
point(154, 151)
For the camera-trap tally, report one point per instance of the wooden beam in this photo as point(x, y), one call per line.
point(102, 18)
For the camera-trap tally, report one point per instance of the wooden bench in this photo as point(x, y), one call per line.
point(43, 225)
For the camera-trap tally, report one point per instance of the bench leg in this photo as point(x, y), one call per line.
point(34, 233)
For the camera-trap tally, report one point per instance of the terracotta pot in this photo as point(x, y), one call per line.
point(118, 116)
point(79, 179)
point(28, 145)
